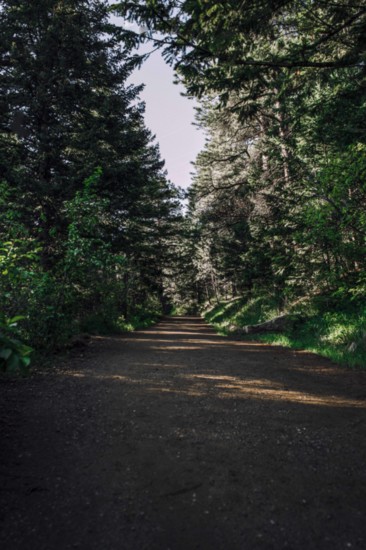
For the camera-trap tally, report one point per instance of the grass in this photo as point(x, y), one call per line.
point(330, 327)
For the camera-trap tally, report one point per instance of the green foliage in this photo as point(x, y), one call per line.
point(84, 291)
point(19, 265)
point(15, 356)
point(86, 212)
point(92, 234)
point(329, 326)
point(222, 47)
point(278, 200)
point(243, 311)
point(142, 318)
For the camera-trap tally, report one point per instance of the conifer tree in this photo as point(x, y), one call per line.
point(82, 181)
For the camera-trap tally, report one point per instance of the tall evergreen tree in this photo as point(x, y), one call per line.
point(288, 79)
point(82, 182)
point(66, 106)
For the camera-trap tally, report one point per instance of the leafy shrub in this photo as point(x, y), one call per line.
point(14, 355)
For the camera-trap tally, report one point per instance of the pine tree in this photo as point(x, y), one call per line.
point(65, 102)
point(82, 181)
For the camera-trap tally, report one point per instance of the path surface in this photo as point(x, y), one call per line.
point(176, 438)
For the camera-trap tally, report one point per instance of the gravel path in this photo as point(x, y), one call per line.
point(176, 438)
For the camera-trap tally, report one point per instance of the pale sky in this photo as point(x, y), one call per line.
point(169, 116)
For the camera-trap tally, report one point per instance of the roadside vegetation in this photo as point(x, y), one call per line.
point(278, 200)
point(329, 326)
point(86, 211)
point(92, 233)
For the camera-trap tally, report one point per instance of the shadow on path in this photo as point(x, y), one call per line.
point(174, 437)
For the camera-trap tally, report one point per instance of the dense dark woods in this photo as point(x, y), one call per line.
point(93, 237)
point(86, 210)
point(277, 206)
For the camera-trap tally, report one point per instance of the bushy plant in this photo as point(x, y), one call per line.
point(14, 354)
point(81, 289)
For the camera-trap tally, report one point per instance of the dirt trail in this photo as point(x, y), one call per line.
point(176, 438)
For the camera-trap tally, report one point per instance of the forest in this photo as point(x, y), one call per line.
point(94, 237)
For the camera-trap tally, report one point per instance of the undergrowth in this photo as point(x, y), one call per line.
point(101, 325)
point(329, 326)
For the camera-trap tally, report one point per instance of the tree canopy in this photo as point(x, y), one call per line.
point(86, 208)
point(92, 231)
point(282, 92)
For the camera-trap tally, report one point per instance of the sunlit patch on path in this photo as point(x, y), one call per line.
point(175, 437)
